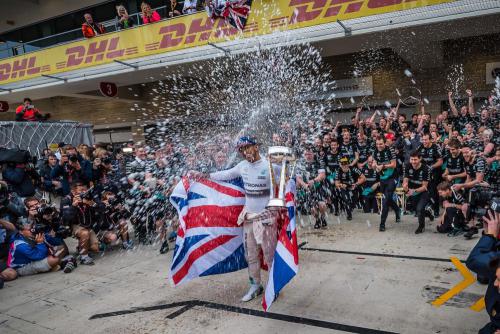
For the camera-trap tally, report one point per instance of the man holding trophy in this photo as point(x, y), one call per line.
point(259, 215)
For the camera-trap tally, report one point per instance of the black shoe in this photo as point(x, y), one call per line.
point(317, 225)
point(164, 247)
point(398, 217)
point(336, 213)
point(1, 283)
point(479, 225)
point(473, 230)
point(420, 229)
point(349, 216)
point(323, 222)
point(381, 228)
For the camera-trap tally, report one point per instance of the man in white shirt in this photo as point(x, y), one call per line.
point(259, 224)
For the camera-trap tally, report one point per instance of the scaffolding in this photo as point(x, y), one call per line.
point(35, 136)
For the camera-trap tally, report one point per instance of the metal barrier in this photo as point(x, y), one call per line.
point(35, 136)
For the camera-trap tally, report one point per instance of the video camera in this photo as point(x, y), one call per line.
point(482, 200)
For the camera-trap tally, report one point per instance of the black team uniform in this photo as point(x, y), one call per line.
point(348, 195)
point(332, 164)
point(453, 217)
point(368, 194)
point(418, 201)
point(309, 170)
point(388, 178)
point(455, 165)
point(430, 155)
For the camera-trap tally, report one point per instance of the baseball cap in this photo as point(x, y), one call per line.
point(390, 136)
point(246, 141)
point(344, 160)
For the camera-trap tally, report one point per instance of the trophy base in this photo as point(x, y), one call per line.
point(276, 203)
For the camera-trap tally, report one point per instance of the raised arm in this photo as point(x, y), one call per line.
point(472, 112)
point(453, 107)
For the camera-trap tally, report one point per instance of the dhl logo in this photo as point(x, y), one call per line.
point(200, 30)
point(19, 68)
point(94, 52)
point(308, 10)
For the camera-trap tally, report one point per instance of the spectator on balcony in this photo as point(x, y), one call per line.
point(124, 21)
point(189, 6)
point(148, 14)
point(27, 112)
point(90, 28)
point(174, 8)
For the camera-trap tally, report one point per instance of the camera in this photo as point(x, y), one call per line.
point(73, 158)
point(46, 210)
point(482, 200)
point(38, 228)
point(106, 160)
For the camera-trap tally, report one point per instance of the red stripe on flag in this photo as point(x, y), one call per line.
point(222, 189)
point(199, 252)
point(212, 216)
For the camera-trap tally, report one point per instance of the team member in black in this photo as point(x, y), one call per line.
point(452, 219)
point(475, 167)
point(416, 178)
point(349, 149)
point(385, 164)
point(310, 177)
point(370, 187)
point(332, 165)
point(363, 147)
point(431, 156)
point(455, 163)
point(347, 180)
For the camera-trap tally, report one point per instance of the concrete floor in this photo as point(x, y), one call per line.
point(333, 293)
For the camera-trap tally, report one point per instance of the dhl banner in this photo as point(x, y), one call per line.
point(266, 16)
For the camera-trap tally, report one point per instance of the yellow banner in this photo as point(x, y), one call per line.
point(183, 32)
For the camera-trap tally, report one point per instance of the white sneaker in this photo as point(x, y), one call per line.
point(254, 291)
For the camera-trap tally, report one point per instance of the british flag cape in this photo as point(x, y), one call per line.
point(209, 241)
point(235, 12)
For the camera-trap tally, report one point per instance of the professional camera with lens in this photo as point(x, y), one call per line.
point(48, 219)
point(482, 200)
point(73, 158)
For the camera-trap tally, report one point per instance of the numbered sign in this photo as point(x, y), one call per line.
point(108, 89)
point(4, 106)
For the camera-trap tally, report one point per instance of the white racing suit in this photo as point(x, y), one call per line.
point(259, 224)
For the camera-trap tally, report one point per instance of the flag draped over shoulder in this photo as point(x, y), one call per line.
point(286, 258)
point(209, 241)
point(235, 12)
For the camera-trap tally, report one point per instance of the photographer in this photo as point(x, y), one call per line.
point(72, 168)
point(29, 253)
point(81, 214)
point(27, 112)
point(452, 219)
point(368, 195)
point(114, 220)
point(483, 260)
point(49, 184)
point(21, 178)
point(46, 219)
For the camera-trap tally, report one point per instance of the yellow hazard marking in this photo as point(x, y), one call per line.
point(479, 305)
point(468, 280)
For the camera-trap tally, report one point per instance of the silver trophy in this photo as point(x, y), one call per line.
point(280, 155)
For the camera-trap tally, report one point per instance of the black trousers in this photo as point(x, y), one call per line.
point(346, 198)
point(433, 193)
point(418, 203)
point(453, 218)
point(387, 188)
point(370, 203)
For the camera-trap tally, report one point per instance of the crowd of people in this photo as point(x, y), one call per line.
point(173, 8)
point(97, 194)
point(428, 163)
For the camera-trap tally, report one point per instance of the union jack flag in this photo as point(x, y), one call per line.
point(209, 241)
point(286, 258)
point(235, 12)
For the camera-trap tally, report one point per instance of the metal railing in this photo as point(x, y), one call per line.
point(11, 49)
